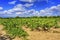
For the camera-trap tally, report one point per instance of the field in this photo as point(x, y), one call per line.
point(18, 27)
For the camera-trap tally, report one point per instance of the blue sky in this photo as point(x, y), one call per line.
point(24, 8)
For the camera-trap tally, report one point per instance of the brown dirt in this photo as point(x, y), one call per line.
point(17, 38)
point(54, 34)
point(3, 32)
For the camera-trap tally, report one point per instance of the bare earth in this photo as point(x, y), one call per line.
point(40, 35)
point(54, 34)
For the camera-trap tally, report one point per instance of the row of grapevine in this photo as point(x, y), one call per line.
point(13, 26)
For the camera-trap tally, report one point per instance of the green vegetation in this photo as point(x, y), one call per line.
point(13, 26)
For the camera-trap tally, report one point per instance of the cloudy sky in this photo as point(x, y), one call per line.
point(25, 8)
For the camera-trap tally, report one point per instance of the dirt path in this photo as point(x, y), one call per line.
point(1, 30)
point(38, 35)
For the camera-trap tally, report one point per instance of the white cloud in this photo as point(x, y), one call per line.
point(12, 2)
point(43, 0)
point(1, 8)
point(31, 1)
point(52, 11)
point(19, 7)
point(20, 10)
point(18, 13)
point(28, 0)
point(28, 5)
